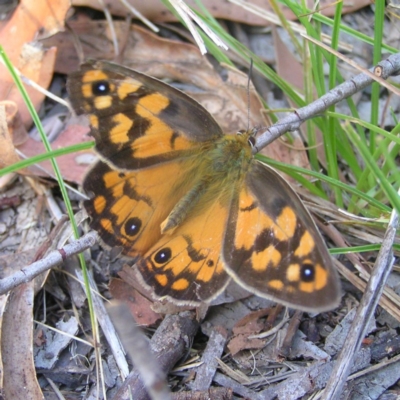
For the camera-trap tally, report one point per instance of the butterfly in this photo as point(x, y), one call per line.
point(190, 203)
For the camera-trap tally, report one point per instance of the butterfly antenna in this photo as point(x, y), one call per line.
point(248, 93)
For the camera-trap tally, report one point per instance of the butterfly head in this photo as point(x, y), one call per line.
point(250, 135)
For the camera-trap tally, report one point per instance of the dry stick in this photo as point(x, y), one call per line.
point(380, 272)
point(106, 324)
point(389, 67)
point(137, 346)
point(374, 367)
point(214, 349)
point(214, 393)
point(53, 259)
point(169, 343)
point(294, 323)
point(237, 388)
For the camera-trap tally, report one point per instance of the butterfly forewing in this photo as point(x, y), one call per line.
point(127, 208)
point(134, 119)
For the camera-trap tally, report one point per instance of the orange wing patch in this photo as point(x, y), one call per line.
point(135, 119)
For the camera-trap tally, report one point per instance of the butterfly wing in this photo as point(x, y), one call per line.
point(273, 248)
point(187, 265)
point(138, 121)
point(127, 208)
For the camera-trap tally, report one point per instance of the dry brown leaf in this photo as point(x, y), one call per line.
point(247, 323)
point(14, 122)
point(30, 20)
point(245, 327)
point(73, 166)
point(242, 342)
point(156, 11)
point(8, 155)
point(20, 380)
point(138, 305)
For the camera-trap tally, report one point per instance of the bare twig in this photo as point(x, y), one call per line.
point(54, 258)
point(389, 67)
point(138, 347)
point(372, 74)
point(214, 349)
point(373, 291)
point(293, 326)
point(169, 343)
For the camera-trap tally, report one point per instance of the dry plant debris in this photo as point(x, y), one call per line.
point(241, 346)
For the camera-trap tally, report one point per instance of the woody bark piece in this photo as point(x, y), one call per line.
point(294, 323)
point(237, 388)
point(216, 393)
point(214, 349)
point(169, 343)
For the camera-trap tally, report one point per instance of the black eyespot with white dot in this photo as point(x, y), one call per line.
point(210, 263)
point(100, 88)
point(307, 273)
point(163, 255)
point(132, 226)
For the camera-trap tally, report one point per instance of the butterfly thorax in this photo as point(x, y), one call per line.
point(231, 154)
point(217, 173)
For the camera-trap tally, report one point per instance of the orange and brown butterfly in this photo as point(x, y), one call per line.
point(190, 203)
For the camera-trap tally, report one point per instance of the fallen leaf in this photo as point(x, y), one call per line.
point(138, 305)
point(156, 11)
point(73, 166)
point(19, 377)
point(31, 20)
point(8, 155)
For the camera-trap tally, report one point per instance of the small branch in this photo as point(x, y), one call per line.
point(389, 67)
point(138, 347)
point(214, 350)
point(170, 342)
point(53, 259)
point(369, 301)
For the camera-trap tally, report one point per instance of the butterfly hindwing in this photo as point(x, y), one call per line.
point(186, 265)
point(273, 248)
